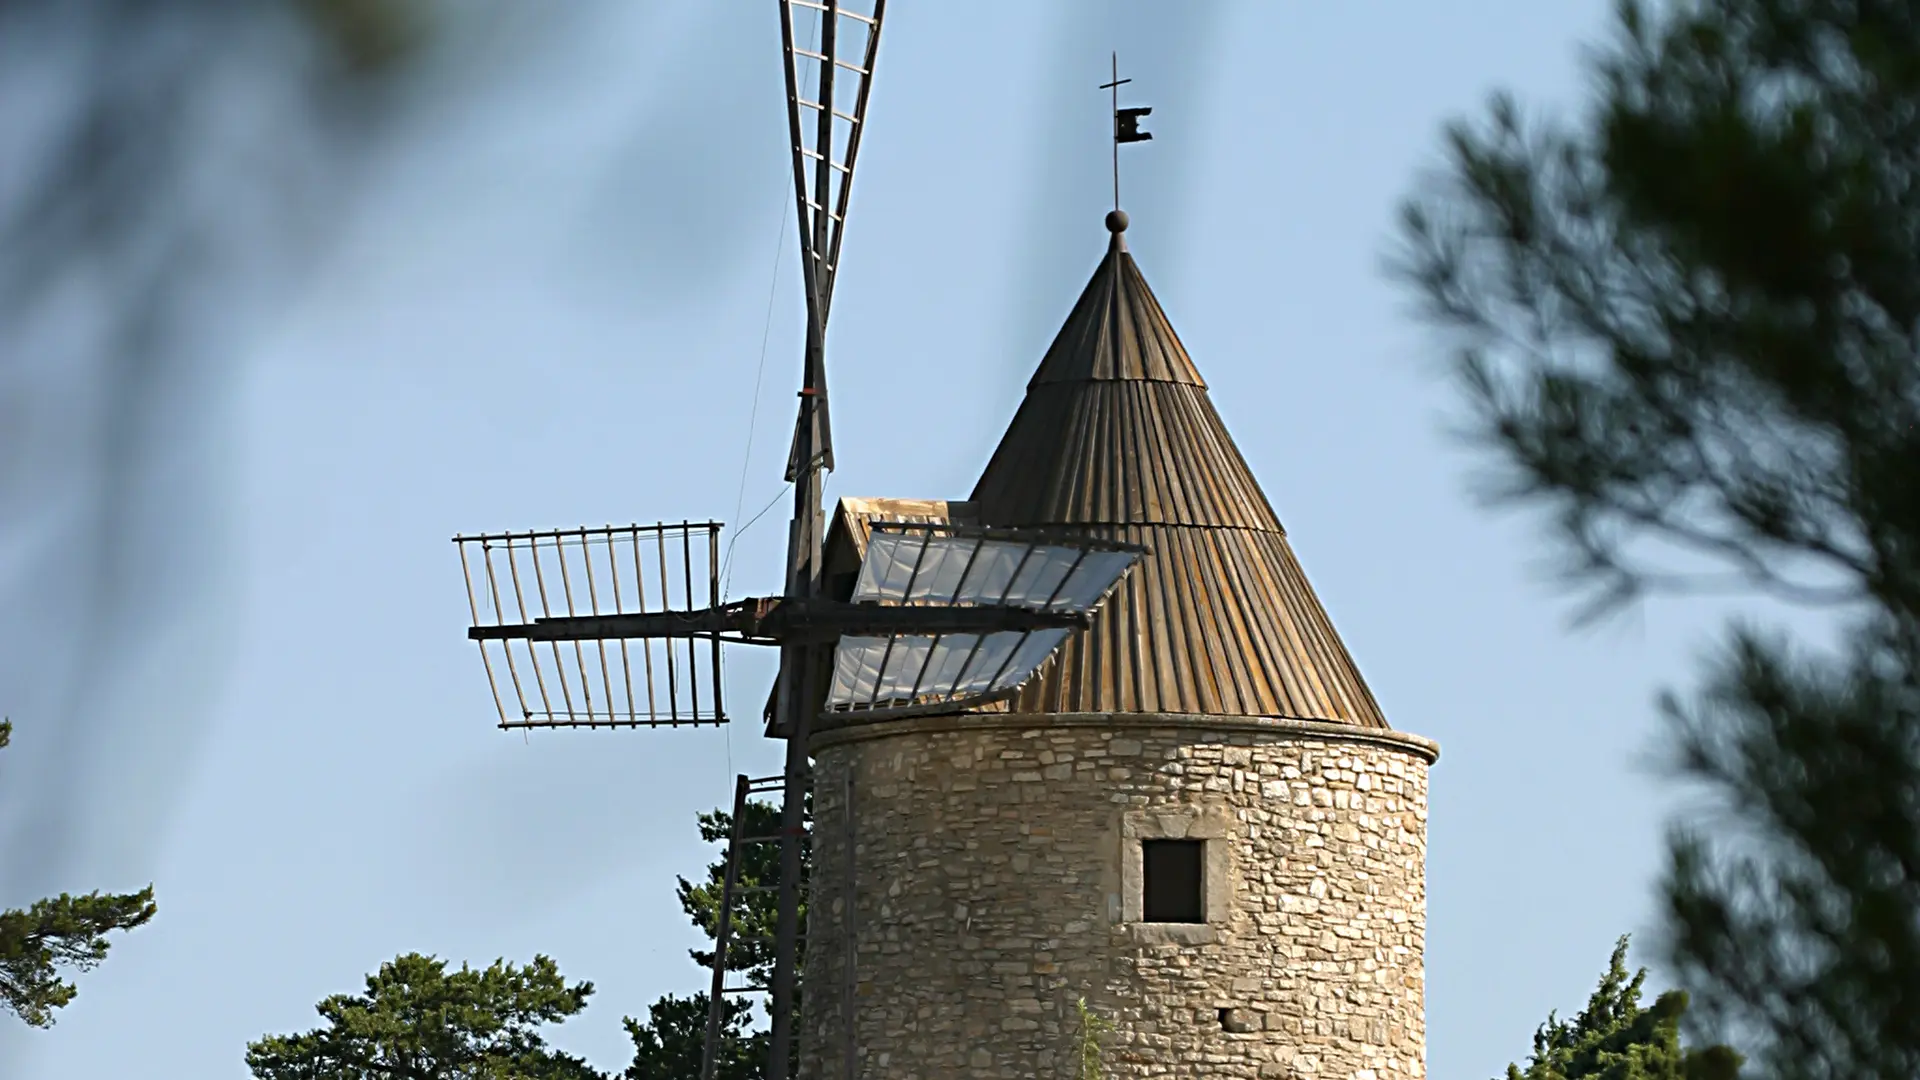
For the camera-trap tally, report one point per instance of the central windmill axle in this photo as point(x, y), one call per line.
point(779, 621)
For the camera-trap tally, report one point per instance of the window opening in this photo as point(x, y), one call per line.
point(1172, 873)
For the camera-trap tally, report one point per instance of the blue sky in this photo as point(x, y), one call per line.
point(544, 305)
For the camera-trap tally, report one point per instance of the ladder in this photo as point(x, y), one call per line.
point(738, 843)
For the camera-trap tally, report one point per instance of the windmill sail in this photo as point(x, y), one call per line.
point(622, 627)
point(984, 569)
point(826, 127)
point(825, 130)
point(667, 679)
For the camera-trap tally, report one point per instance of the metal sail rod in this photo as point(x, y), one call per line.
point(807, 275)
point(814, 416)
point(764, 621)
point(823, 144)
point(857, 124)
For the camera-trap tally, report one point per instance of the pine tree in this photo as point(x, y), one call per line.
point(62, 932)
point(669, 1045)
point(1687, 327)
point(1614, 1038)
point(417, 1021)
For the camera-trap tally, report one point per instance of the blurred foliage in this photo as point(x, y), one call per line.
point(103, 186)
point(1685, 326)
point(370, 35)
point(105, 199)
point(109, 193)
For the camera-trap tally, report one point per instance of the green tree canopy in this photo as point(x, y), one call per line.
point(669, 1045)
point(65, 932)
point(417, 1021)
point(1686, 326)
point(100, 196)
point(1614, 1038)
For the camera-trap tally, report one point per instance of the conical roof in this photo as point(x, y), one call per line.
point(1118, 437)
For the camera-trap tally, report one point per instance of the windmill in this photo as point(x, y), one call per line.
point(623, 626)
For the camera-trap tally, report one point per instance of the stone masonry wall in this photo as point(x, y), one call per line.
point(997, 861)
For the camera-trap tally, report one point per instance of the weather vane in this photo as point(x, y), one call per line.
point(1126, 125)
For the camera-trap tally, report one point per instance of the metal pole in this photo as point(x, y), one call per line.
point(803, 577)
point(787, 925)
point(796, 703)
point(1115, 84)
point(717, 1002)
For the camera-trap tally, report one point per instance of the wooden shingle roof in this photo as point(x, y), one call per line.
point(1118, 437)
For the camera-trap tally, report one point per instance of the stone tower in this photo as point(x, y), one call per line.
point(1195, 817)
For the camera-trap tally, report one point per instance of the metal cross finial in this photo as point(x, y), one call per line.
point(1126, 125)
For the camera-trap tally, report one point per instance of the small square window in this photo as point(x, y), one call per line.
point(1171, 887)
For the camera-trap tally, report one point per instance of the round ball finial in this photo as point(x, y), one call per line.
point(1116, 221)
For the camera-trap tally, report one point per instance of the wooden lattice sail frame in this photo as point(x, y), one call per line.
point(663, 680)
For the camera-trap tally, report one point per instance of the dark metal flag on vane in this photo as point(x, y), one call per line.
point(1126, 125)
point(623, 626)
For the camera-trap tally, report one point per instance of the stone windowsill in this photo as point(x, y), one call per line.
point(1146, 933)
